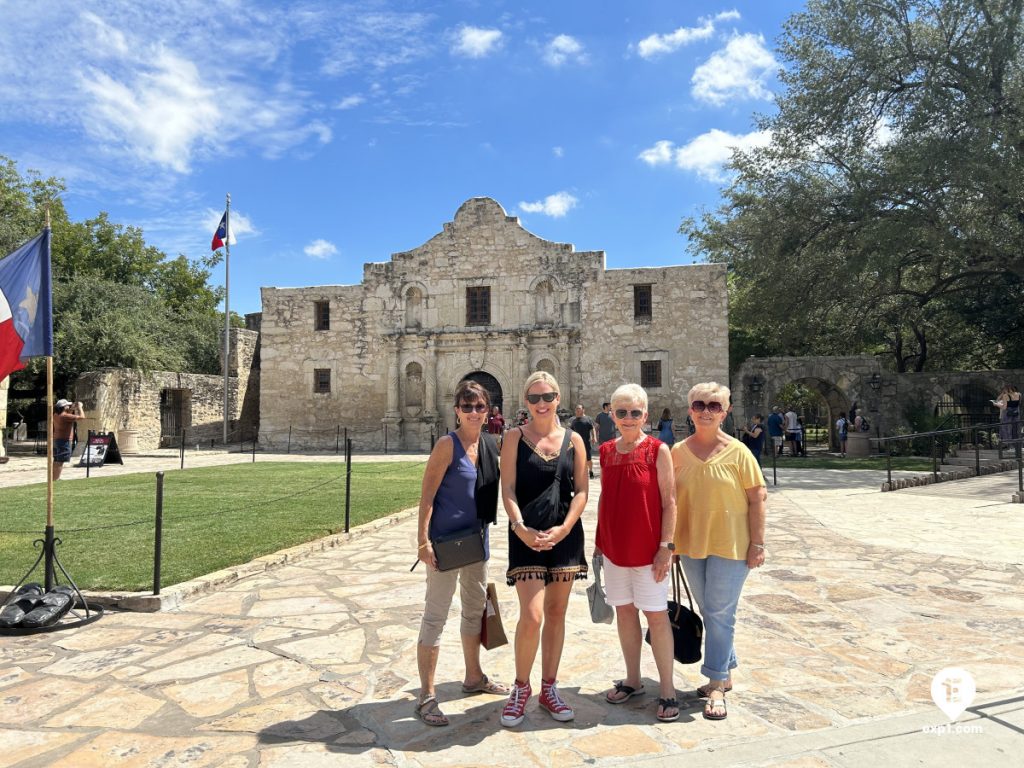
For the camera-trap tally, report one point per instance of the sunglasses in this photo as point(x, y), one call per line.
point(622, 413)
point(547, 397)
point(714, 406)
point(478, 407)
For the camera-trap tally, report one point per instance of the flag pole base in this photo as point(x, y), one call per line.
point(73, 618)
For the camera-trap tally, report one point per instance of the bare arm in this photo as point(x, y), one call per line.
point(437, 465)
point(667, 488)
point(757, 503)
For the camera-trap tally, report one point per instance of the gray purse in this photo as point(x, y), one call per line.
point(600, 611)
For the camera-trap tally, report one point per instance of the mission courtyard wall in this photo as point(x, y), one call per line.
point(399, 342)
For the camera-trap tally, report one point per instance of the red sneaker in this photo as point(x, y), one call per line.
point(515, 707)
point(552, 701)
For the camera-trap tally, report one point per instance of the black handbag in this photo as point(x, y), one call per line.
point(548, 509)
point(687, 627)
point(454, 550)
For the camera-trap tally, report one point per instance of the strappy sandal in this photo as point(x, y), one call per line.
point(705, 690)
point(622, 688)
point(430, 712)
point(666, 704)
point(715, 709)
point(486, 685)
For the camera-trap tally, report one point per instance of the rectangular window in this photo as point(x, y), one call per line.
point(478, 305)
point(650, 373)
point(322, 381)
point(322, 315)
point(642, 303)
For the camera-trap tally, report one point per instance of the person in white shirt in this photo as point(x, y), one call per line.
point(792, 427)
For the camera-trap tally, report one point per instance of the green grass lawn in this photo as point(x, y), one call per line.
point(214, 517)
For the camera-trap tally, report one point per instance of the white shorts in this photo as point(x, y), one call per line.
point(635, 586)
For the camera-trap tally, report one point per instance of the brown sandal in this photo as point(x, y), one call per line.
point(705, 690)
point(486, 685)
point(430, 712)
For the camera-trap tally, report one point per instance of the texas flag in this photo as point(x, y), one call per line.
point(221, 235)
point(26, 309)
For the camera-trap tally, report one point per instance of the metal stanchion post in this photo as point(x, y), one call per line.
point(337, 440)
point(385, 439)
point(289, 438)
point(348, 482)
point(158, 537)
point(88, 452)
point(888, 463)
point(254, 448)
point(935, 458)
point(182, 448)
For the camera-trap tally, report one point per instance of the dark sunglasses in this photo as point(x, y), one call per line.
point(714, 406)
point(478, 407)
point(621, 413)
point(547, 397)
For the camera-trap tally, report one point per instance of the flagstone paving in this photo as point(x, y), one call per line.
point(313, 663)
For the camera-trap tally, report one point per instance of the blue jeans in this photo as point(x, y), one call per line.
point(716, 584)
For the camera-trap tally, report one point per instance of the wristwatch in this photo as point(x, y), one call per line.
point(515, 525)
point(669, 546)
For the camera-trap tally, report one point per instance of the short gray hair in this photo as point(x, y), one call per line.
point(710, 390)
point(632, 393)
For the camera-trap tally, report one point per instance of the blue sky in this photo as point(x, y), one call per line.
point(348, 131)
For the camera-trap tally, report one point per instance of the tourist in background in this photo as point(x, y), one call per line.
point(584, 426)
point(665, 433)
point(791, 422)
point(635, 524)
point(842, 428)
point(1008, 404)
point(459, 492)
point(545, 553)
point(720, 527)
point(605, 424)
point(775, 429)
point(496, 423)
point(754, 437)
point(65, 415)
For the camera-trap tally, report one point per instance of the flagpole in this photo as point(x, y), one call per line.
point(48, 543)
point(227, 308)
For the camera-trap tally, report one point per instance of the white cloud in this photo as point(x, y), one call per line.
point(476, 42)
point(558, 151)
point(239, 225)
point(563, 48)
point(350, 102)
point(738, 71)
point(705, 155)
point(321, 249)
point(555, 206)
point(732, 15)
point(656, 45)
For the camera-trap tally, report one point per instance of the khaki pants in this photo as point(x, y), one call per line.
point(472, 580)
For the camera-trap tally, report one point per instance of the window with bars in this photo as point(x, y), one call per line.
point(650, 373)
point(322, 315)
point(478, 305)
point(642, 303)
point(322, 381)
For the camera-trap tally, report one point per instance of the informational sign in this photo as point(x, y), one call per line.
point(99, 450)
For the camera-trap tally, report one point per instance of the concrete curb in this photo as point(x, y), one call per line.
point(177, 594)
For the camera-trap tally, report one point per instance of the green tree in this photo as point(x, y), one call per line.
point(887, 213)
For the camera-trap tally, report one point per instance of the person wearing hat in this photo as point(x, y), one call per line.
point(65, 414)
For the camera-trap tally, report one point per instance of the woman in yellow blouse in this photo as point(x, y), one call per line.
point(720, 504)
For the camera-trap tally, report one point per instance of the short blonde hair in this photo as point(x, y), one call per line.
point(709, 390)
point(536, 376)
point(631, 393)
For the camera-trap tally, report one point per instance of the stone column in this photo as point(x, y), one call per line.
point(430, 380)
point(523, 351)
point(575, 369)
point(566, 375)
point(392, 350)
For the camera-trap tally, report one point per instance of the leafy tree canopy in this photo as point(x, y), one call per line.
point(117, 301)
point(887, 213)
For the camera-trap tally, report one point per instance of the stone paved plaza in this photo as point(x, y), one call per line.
point(863, 598)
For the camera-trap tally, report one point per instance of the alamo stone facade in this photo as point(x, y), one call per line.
point(486, 299)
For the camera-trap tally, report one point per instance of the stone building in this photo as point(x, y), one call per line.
point(486, 299)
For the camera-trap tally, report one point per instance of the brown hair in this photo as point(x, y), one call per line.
point(470, 391)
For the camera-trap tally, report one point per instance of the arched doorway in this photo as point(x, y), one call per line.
point(489, 383)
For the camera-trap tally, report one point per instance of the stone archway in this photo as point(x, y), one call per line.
point(491, 384)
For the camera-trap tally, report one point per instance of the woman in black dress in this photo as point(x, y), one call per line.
point(545, 539)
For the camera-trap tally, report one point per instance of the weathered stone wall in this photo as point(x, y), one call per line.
point(123, 399)
point(399, 342)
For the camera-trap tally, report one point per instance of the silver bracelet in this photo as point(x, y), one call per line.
point(758, 546)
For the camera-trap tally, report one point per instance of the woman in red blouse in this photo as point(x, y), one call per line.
point(636, 517)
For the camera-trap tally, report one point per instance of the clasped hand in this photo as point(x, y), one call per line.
point(541, 541)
